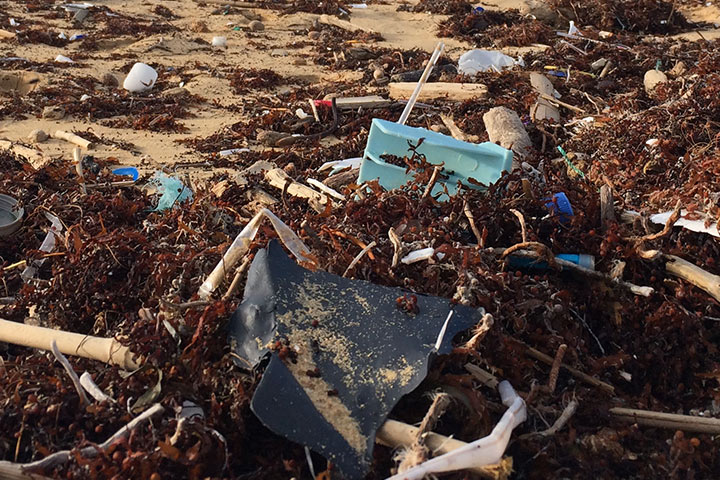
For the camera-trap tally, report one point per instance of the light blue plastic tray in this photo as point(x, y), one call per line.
point(483, 162)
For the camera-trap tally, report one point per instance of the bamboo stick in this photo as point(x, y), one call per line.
point(670, 421)
point(72, 138)
point(106, 350)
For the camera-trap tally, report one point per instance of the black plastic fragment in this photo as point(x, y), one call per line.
point(343, 353)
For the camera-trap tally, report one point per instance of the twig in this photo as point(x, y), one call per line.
point(567, 413)
point(71, 373)
point(539, 247)
point(88, 384)
point(552, 99)
point(184, 306)
point(397, 245)
point(61, 457)
point(479, 332)
point(607, 207)
point(482, 376)
point(433, 180)
point(547, 359)
point(359, 256)
point(668, 225)
point(670, 421)
point(521, 219)
point(454, 130)
point(473, 227)
point(418, 452)
point(555, 369)
point(236, 280)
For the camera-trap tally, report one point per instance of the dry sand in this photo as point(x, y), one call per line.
point(401, 30)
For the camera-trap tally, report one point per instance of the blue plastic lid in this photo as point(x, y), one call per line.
point(559, 205)
point(128, 172)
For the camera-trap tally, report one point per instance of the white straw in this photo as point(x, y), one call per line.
point(428, 68)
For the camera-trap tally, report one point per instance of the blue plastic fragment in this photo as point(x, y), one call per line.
point(461, 161)
point(559, 206)
point(172, 191)
point(479, 9)
point(128, 172)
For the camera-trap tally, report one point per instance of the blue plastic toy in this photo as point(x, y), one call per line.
point(483, 162)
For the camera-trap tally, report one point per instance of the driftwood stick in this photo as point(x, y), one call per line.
point(281, 180)
point(482, 376)
point(547, 359)
point(694, 274)
point(71, 373)
point(61, 457)
point(13, 471)
point(607, 207)
point(670, 421)
point(454, 129)
point(552, 99)
point(555, 370)
point(72, 138)
point(235, 284)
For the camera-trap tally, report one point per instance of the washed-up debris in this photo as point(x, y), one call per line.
point(471, 165)
point(342, 353)
point(602, 320)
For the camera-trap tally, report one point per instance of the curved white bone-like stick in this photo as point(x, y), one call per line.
point(485, 451)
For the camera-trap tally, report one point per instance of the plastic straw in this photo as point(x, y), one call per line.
point(426, 73)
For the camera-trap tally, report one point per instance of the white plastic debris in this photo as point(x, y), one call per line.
point(418, 255)
point(476, 61)
point(141, 78)
point(300, 113)
point(573, 30)
point(13, 23)
point(220, 42)
point(241, 244)
point(63, 59)
point(62, 36)
point(337, 165)
point(694, 225)
point(652, 142)
point(325, 189)
point(485, 451)
point(232, 151)
point(47, 246)
point(85, 97)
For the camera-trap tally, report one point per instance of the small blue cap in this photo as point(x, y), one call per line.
point(479, 9)
point(559, 205)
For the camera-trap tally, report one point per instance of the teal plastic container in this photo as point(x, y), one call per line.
point(483, 162)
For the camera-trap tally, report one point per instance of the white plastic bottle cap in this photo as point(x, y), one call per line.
point(141, 78)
